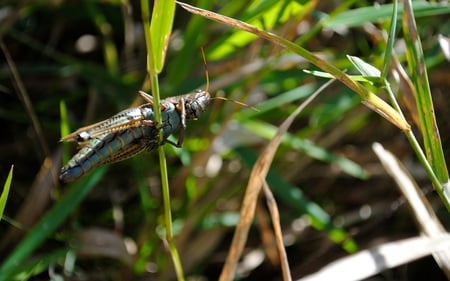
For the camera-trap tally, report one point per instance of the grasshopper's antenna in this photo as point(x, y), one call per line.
point(236, 102)
point(221, 98)
point(206, 70)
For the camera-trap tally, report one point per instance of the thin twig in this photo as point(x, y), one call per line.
point(272, 204)
point(25, 99)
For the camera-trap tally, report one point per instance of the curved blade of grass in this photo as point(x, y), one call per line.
point(255, 183)
point(160, 30)
point(275, 214)
point(424, 102)
point(5, 192)
point(47, 225)
point(369, 99)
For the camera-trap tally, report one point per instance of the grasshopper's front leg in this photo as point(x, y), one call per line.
point(183, 121)
point(180, 107)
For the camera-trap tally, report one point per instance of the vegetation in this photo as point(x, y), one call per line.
point(206, 211)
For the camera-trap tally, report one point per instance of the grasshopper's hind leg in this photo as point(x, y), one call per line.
point(146, 97)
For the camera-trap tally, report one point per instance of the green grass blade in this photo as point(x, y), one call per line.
point(65, 130)
point(5, 192)
point(38, 265)
point(357, 17)
point(276, 102)
point(391, 40)
point(47, 225)
point(160, 30)
point(424, 102)
point(269, 13)
point(363, 67)
point(309, 148)
point(157, 39)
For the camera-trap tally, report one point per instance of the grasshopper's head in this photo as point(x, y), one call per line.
point(196, 103)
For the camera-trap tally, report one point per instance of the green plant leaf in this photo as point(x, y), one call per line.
point(357, 17)
point(424, 101)
point(160, 30)
point(5, 192)
point(363, 67)
point(268, 16)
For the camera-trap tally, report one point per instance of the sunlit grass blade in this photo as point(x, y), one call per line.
point(269, 13)
point(160, 30)
point(361, 266)
point(426, 219)
point(424, 102)
point(368, 98)
point(356, 17)
point(390, 42)
point(5, 191)
point(359, 78)
point(363, 67)
point(444, 43)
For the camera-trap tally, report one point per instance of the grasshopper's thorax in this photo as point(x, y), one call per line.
point(196, 103)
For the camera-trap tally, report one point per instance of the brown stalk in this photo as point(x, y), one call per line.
point(255, 183)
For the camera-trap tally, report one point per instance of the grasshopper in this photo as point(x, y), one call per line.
point(131, 131)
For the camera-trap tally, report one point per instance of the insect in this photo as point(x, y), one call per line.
point(131, 131)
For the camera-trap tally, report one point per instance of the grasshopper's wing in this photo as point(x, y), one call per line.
point(123, 120)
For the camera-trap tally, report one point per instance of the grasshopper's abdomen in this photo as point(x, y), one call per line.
point(108, 148)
